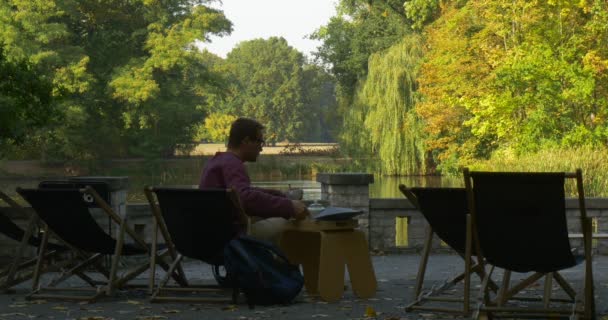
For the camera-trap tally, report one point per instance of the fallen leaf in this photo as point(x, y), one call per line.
point(230, 307)
point(17, 305)
point(370, 312)
point(171, 311)
point(59, 308)
point(125, 311)
point(320, 315)
point(132, 302)
point(153, 317)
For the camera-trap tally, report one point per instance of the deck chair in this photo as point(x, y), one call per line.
point(519, 225)
point(66, 215)
point(446, 211)
point(196, 224)
point(19, 271)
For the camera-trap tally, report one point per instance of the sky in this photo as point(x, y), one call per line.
point(290, 19)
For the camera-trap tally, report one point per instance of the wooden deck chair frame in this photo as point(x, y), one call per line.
point(81, 260)
point(17, 271)
point(435, 294)
point(488, 308)
point(162, 292)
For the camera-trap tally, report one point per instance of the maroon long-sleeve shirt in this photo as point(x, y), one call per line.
point(226, 170)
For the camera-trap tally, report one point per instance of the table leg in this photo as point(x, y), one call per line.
point(331, 265)
point(360, 267)
point(303, 248)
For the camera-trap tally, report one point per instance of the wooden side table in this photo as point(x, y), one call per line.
point(324, 248)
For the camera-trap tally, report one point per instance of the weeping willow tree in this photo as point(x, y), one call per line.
point(390, 121)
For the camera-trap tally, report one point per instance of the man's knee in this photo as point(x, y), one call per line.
point(268, 229)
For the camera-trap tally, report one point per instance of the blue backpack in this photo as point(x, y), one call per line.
point(261, 271)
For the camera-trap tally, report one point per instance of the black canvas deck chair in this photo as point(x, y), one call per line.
point(446, 211)
point(196, 224)
point(17, 270)
point(520, 225)
point(66, 215)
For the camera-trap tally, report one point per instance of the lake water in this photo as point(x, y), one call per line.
point(271, 172)
point(383, 186)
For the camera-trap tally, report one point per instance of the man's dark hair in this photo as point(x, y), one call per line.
point(241, 128)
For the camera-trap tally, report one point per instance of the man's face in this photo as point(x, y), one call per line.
point(252, 147)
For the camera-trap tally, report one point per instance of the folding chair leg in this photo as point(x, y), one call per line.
point(564, 285)
point(131, 275)
point(152, 277)
point(589, 289)
point(116, 257)
point(167, 276)
point(42, 250)
point(86, 279)
point(482, 298)
point(522, 285)
point(467, 266)
point(548, 287)
point(76, 269)
point(29, 231)
point(423, 261)
point(506, 280)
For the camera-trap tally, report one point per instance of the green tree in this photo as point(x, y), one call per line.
point(368, 48)
point(26, 101)
point(267, 77)
point(389, 93)
point(518, 75)
point(321, 117)
point(217, 127)
point(130, 79)
point(360, 28)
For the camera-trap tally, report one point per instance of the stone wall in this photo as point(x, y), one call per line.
point(383, 214)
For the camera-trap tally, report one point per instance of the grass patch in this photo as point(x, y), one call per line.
point(593, 162)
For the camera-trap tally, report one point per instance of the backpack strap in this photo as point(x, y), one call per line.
point(266, 245)
point(237, 247)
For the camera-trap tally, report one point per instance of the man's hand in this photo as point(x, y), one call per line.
point(300, 210)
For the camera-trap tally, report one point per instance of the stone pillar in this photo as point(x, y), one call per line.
point(350, 190)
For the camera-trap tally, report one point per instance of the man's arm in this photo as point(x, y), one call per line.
point(255, 201)
point(272, 192)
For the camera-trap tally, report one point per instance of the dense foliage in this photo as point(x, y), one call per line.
point(270, 81)
point(126, 75)
point(25, 101)
point(415, 85)
point(492, 78)
point(127, 78)
point(521, 76)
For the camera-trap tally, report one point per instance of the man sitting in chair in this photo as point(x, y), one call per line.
point(270, 209)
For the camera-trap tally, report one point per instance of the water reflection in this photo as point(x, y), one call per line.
point(388, 186)
point(383, 187)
